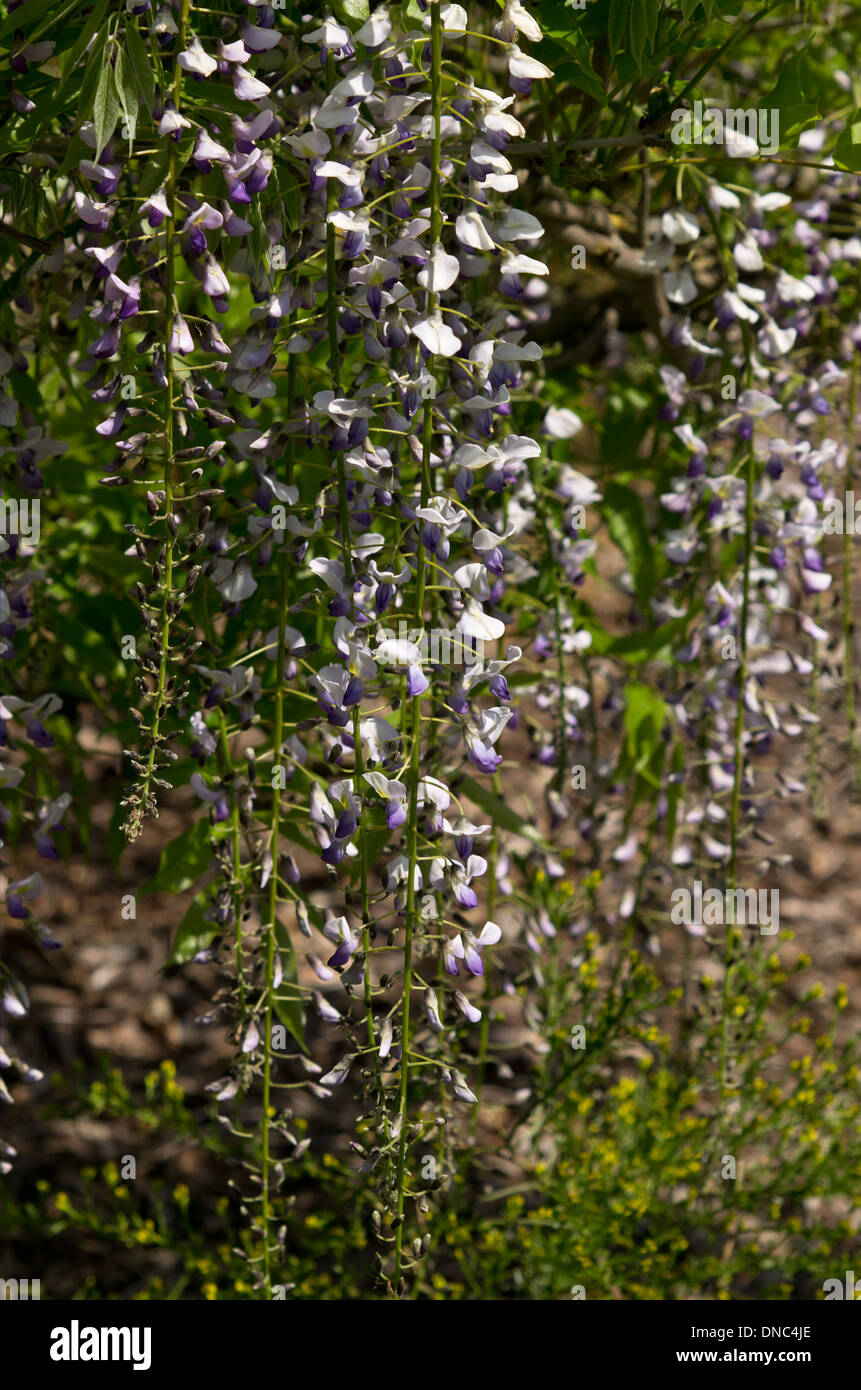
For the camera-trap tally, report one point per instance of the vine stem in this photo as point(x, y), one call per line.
point(738, 769)
point(416, 713)
point(738, 756)
point(140, 810)
point(487, 992)
point(274, 834)
point(226, 766)
point(347, 561)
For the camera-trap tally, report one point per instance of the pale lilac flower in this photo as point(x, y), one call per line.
point(467, 947)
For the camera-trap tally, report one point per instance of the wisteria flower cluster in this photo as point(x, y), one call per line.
point(298, 281)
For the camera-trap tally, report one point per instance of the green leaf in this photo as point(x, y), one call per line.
point(139, 61)
point(20, 18)
point(89, 81)
point(645, 716)
point(641, 646)
point(182, 861)
point(128, 96)
point(623, 511)
point(617, 25)
point(78, 49)
point(193, 933)
point(847, 152)
point(639, 31)
point(793, 96)
point(353, 12)
point(577, 70)
point(653, 15)
point(644, 713)
point(558, 22)
point(499, 811)
point(106, 107)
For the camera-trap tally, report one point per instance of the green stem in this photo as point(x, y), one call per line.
point(415, 732)
point(274, 835)
point(347, 561)
point(226, 763)
point(140, 810)
point(738, 771)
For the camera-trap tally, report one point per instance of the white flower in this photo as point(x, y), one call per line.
point(721, 197)
point(259, 40)
point(196, 59)
point(473, 456)
point(816, 581)
point(454, 19)
point(775, 342)
point(680, 287)
point(92, 212)
point(473, 577)
point(576, 487)
point(497, 120)
point(657, 255)
point(309, 145)
point(376, 28)
point(522, 265)
point(740, 308)
point(474, 622)
point(519, 226)
point(516, 352)
point(791, 290)
point(739, 146)
point(41, 708)
point(769, 202)
point(679, 227)
point(440, 271)
point(561, 423)
point(436, 336)
point(238, 586)
point(517, 15)
point(172, 121)
point(350, 221)
point(488, 540)
point(371, 543)
point(331, 169)
point(471, 231)
point(527, 69)
point(235, 52)
point(331, 34)
point(358, 83)
point(748, 256)
point(441, 511)
point(335, 113)
point(758, 403)
point(517, 447)
point(812, 140)
point(207, 148)
point(376, 733)
point(690, 440)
